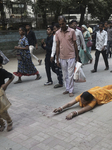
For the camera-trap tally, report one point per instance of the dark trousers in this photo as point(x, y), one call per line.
point(97, 54)
point(48, 67)
point(59, 74)
point(109, 45)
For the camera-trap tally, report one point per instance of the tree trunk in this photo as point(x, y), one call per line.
point(82, 9)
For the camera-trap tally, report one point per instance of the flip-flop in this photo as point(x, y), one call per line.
point(38, 78)
point(17, 82)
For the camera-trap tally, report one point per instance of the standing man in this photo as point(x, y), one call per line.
point(47, 45)
point(32, 42)
point(66, 47)
point(101, 43)
point(53, 53)
point(79, 37)
point(109, 42)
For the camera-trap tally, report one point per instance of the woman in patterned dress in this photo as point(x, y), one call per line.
point(85, 56)
point(88, 100)
point(25, 65)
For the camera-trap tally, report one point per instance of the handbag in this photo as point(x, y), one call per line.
point(18, 55)
point(5, 59)
point(89, 43)
point(79, 75)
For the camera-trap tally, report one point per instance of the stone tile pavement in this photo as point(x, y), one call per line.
point(37, 128)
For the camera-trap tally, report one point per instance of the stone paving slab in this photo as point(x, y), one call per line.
point(37, 128)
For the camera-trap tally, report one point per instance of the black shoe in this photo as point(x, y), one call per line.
point(93, 71)
point(107, 68)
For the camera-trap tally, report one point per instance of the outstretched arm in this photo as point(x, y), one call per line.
point(71, 103)
point(75, 113)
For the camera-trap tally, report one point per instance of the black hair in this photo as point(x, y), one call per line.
point(73, 21)
point(51, 27)
point(87, 96)
point(57, 25)
point(1, 59)
point(101, 23)
point(22, 28)
point(62, 18)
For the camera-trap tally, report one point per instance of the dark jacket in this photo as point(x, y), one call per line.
point(49, 43)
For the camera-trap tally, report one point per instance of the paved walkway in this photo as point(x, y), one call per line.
point(37, 128)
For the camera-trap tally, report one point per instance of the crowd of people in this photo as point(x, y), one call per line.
point(64, 46)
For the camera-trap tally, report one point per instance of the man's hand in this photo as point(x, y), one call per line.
point(85, 51)
point(44, 45)
point(42, 41)
point(4, 87)
point(58, 64)
point(36, 47)
point(16, 47)
point(103, 48)
point(52, 59)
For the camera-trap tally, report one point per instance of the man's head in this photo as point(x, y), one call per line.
point(87, 25)
point(56, 27)
point(62, 22)
point(1, 60)
point(73, 24)
point(109, 24)
point(28, 27)
point(101, 25)
point(49, 30)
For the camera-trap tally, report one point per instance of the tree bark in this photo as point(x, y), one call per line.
point(82, 9)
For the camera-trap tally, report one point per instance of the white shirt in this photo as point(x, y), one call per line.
point(101, 39)
point(53, 52)
point(80, 39)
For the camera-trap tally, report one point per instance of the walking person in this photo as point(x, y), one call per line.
point(109, 42)
point(25, 65)
point(66, 49)
point(91, 32)
point(79, 37)
point(101, 43)
point(53, 53)
point(85, 55)
point(47, 45)
point(4, 103)
point(32, 42)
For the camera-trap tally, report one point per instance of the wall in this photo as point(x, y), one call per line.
point(9, 39)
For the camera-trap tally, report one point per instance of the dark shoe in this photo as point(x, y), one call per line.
point(111, 71)
point(107, 68)
point(40, 62)
point(93, 71)
point(66, 92)
point(58, 86)
point(48, 83)
point(91, 60)
point(71, 94)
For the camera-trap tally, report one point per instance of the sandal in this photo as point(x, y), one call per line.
point(58, 85)
point(19, 81)
point(9, 126)
point(38, 77)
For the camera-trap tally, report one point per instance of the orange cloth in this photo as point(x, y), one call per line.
point(102, 95)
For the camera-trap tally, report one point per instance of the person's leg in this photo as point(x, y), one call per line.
point(59, 76)
point(47, 68)
point(31, 48)
point(64, 66)
point(6, 117)
point(105, 59)
point(97, 53)
point(71, 68)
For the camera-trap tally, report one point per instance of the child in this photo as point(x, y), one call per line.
point(4, 103)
